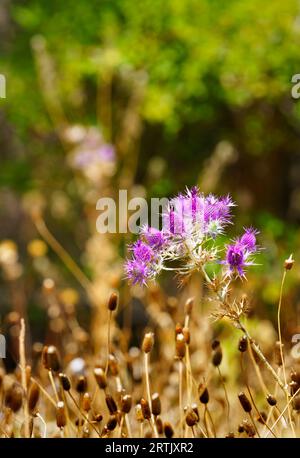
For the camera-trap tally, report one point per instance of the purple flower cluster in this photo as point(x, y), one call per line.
point(239, 253)
point(190, 226)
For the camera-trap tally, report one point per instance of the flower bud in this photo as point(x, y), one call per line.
point(243, 344)
point(180, 346)
point(81, 384)
point(61, 418)
point(33, 396)
point(217, 357)
point(126, 403)
point(145, 409)
point(65, 381)
point(148, 342)
point(100, 377)
point(272, 401)
point(245, 403)
point(112, 302)
point(288, 263)
point(168, 430)
point(111, 404)
point(203, 394)
point(86, 402)
point(155, 404)
point(53, 360)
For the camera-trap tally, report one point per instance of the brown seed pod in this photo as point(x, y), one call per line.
point(243, 344)
point(203, 394)
point(155, 404)
point(86, 402)
point(65, 381)
point(113, 365)
point(262, 417)
point(100, 377)
point(112, 423)
point(53, 360)
point(14, 397)
point(180, 346)
point(187, 335)
point(294, 387)
point(81, 384)
point(215, 344)
point(230, 435)
point(33, 397)
point(191, 418)
point(272, 401)
point(288, 263)
point(111, 404)
point(248, 428)
point(296, 404)
point(168, 430)
point(217, 357)
point(113, 302)
point(148, 342)
point(245, 403)
point(178, 329)
point(159, 425)
point(61, 418)
point(241, 428)
point(188, 307)
point(145, 409)
point(126, 403)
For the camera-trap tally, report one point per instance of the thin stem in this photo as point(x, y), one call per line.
point(82, 414)
point(226, 396)
point(108, 340)
point(281, 349)
point(149, 392)
point(53, 385)
point(180, 397)
point(23, 375)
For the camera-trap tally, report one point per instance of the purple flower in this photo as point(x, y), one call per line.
point(107, 153)
point(248, 239)
point(217, 209)
point(154, 237)
point(235, 258)
point(137, 271)
point(142, 251)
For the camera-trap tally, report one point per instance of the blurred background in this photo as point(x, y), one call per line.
point(149, 97)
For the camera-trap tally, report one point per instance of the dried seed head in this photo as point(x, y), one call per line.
point(243, 344)
point(180, 346)
point(145, 409)
point(241, 428)
point(187, 335)
point(86, 402)
point(112, 423)
point(277, 353)
point(113, 365)
point(248, 428)
point(245, 403)
point(168, 430)
point(262, 417)
point(53, 361)
point(189, 306)
point(288, 263)
point(111, 404)
point(215, 344)
point(126, 403)
point(191, 418)
point(271, 400)
point(65, 381)
point(217, 357)
point(14, 397)
point(148, 342)
point(178, 329)
point(138, 413)
point(155, 404)
point(113, 302)
point(100, 377)
point(159, 425)
point(33, 397)
point(61, 418)
point(203, 394)
point(81, 384)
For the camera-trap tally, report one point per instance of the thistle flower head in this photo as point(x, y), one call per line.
point(190, 226)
